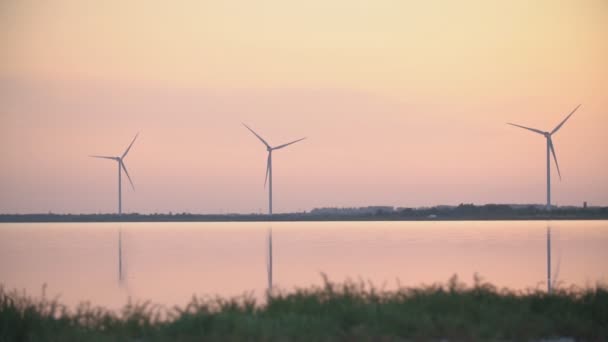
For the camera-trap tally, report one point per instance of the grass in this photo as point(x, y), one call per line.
point(333, 312)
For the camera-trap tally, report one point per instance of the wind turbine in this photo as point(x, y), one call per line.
point(121, 167)
point(550, 150)
point(269, 180)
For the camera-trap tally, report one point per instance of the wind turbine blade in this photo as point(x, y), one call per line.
point(284, 145)
point(259, 137)
point(566, 119)
point(267, 170)
point(127, 173)
point(128, 148)
point(528, 128)
point(554, 157)
point(104, 157)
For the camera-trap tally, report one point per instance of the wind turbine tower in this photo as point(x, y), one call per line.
point(268, 178)
point(121, 167)
point(550, 150)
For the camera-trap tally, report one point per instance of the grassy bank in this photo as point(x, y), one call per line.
point(334, 312)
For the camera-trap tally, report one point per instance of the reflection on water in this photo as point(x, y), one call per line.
point(120, 278)
point(552, 281)
point(549, 283)
point(269, 264)
point(169, 262)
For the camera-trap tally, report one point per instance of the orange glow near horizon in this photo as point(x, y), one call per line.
point(403, 103)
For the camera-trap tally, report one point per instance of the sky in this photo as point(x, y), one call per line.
point(403, 103)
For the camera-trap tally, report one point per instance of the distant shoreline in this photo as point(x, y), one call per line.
point(422, 215)
point(310, 220)
point(462, 212)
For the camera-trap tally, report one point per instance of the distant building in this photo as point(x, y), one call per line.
point(371, 210)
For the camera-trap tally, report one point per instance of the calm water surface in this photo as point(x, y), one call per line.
point(107, 263)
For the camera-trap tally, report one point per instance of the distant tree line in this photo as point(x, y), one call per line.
point(384, 213)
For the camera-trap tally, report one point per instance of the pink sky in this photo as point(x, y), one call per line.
point(403, 103)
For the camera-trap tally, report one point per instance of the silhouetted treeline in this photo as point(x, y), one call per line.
point(460, 212)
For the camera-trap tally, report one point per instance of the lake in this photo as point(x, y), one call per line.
point(168, 262)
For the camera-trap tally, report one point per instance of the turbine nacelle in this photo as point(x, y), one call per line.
point(268, 147)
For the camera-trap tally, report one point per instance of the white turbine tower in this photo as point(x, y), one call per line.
point(269, 180)
point(550, 150)
point(121, 167)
